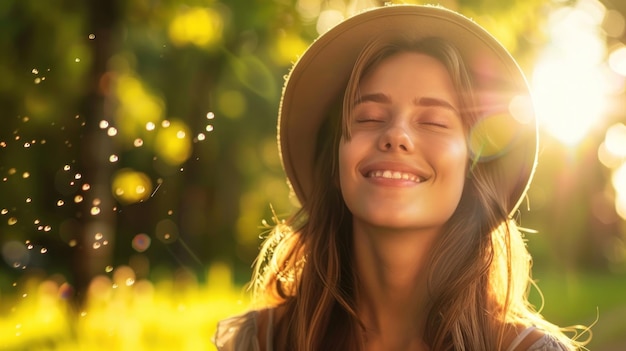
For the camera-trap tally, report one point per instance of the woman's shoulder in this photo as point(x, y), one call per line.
point(242, 332)
point(535, 339)
point(238, 333)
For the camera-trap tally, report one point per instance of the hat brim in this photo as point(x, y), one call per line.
point(322, 72)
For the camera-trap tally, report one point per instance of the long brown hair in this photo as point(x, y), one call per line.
point(479, 269)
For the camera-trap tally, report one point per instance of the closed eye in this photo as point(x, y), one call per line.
point(438, 117)
point(369, 120)
point(436, 124)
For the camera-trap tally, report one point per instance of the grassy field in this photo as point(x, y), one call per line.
point(181, 314)
point(583, 298)
point(120, 313)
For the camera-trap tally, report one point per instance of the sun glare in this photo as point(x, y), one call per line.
point(570, 79)
point(577, 77)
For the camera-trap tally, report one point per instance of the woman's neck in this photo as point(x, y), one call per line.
point(391, 292)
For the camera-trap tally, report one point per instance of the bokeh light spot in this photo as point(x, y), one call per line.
point(615, 140)
point(141, 242)
point(328, 19)
point(196, 26)
point(167, 231)
point(130, 186)
point(138, 109)
point(288, 47)
point(15, 254)
point(617, 60)
point(491, 136)
point(172, 144)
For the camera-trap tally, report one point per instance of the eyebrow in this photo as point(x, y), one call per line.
point(429, 101)
point(424, 101)
point(376, 97)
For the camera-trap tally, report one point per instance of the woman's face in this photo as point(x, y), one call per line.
point(404, 165)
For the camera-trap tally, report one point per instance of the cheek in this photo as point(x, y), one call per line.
point(452, 160)
point(345, 161)
point(459, 156)
point(458, 160)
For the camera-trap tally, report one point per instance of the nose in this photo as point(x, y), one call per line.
point(396, 138)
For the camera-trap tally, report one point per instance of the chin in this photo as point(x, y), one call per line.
point(399, 221)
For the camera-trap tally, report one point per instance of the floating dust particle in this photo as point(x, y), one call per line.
point(112, 131)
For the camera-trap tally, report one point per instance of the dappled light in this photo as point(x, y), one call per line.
point(198, 26)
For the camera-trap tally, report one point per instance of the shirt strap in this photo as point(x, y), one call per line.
point(518, 340)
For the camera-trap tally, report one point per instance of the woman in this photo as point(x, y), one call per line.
point(407, 135)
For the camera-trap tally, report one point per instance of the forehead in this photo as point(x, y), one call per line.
point(410, 75)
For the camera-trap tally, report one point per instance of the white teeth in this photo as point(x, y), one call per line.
point(387, 174)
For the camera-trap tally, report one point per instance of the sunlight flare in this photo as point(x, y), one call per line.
point(570, 80)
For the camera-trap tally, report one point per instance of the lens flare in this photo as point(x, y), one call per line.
point(141, 242)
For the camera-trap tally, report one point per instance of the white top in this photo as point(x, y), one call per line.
point(239, 333)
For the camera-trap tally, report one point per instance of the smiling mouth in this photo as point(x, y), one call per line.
point(387, 174)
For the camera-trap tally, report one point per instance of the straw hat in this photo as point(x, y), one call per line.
point(504, 138)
